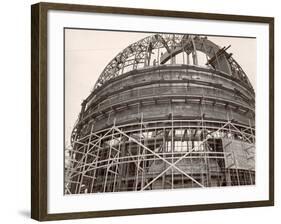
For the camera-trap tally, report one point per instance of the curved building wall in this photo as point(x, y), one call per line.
point(166, 126)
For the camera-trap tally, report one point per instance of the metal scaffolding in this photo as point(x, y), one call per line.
point(160, 155)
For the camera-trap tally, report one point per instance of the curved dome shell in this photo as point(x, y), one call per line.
point(138, 55)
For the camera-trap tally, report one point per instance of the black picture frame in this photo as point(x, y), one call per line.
point(39, 107)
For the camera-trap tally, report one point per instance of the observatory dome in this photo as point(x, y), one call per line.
point(169, 111)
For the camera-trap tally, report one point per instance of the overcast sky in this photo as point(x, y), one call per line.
point(87, 52)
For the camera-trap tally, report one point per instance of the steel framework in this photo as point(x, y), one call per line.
point(157, 121)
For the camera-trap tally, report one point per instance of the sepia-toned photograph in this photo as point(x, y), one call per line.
point(157, 111)
point(138, 111)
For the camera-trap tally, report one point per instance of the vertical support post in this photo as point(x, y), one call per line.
point(194, 57)
point(116, 167)
point(86, 158)
point(73, 159)
point(172, 148)
point(183, 56)
point(158, 57)
point(143, 153)
point(205, 49)
point(138, 156)
point(217, 59)
point(109, 158)
point(134, 62)
point(164, 153)
point(173, 58)
point(148, 55)
point(194, 52)
point(187, 59)
point(96, 166)
point(206, 155)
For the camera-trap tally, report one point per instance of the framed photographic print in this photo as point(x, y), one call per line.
point(138, 111)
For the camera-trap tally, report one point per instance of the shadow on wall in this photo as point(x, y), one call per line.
point(24, 213)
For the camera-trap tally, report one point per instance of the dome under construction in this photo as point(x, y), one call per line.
point(159, 118)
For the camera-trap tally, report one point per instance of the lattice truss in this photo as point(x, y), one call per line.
point(161, 155)
point(164, 47)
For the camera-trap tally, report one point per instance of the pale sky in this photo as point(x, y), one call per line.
point(87, 52)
